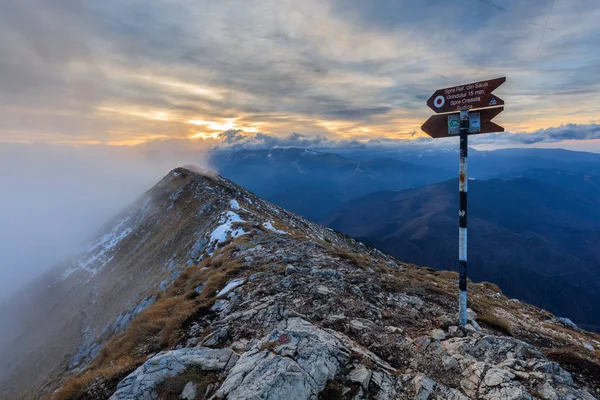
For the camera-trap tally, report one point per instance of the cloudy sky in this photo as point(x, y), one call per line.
point(99, 99)
point(121, 72)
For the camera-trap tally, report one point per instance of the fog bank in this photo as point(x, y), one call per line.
point(54, 199)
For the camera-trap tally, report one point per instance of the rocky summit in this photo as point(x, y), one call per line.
point(202, 290)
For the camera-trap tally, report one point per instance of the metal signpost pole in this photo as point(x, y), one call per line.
point(462, 218)
point(464, 110)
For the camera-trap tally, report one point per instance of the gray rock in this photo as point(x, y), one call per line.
point(214, 337)
point(285, 284)
point(221, 306)
point(423, 387)
point(471, 315)
point(393, 329)
point(497, 376)
point(547, 392)
point(326, 273)
point(454, 331)
point(568, 323)
point(445, 393)
point(356, 290)
point(422, 342)
point(323, 290)
point(362, 375)
point(587, 346)
point(496, 368)
point(199, 289)
point(298, 366)
point(141, 383)
point(468, 329)
point(508, 393)
point(290, 269)
point(450, 363)
point(256, 276)
point(387, 389)
point(472, 378)
point(263, 374)
point(358, 325)
point(438, 334)
point(189, 391)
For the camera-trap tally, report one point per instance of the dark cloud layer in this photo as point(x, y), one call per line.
point(126, 72)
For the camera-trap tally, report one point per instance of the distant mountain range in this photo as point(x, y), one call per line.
point(313, 183)
point(537, 235)
point(487, 164)
point(534, 223)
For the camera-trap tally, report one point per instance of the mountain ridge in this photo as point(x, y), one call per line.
point(208, 285)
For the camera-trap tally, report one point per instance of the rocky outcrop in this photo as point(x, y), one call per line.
point(294, 362)
point(141, 384)
point(495, 367)
point(297, 360)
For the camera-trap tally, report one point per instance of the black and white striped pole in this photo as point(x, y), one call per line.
point(462, 217)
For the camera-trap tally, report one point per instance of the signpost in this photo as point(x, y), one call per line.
point(448, 125)
point(466, 97)
point(458, 120)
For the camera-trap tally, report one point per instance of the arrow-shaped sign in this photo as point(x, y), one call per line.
point(447, 125)
point(466, 97)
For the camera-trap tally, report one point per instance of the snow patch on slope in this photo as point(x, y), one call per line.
point(225, 229)
point(96, 256)
point(269, 226)
point(230, 286)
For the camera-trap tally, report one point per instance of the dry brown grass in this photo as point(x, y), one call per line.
point(424, 280)
point(586, 371)
point(158, 327)
point(332, 391)
point(367, 362)
point(493, 321)
point(448, 276)
point(172, 387)
point(490, 286)
point(247, 226)
point(270, 345)
point(74, 389)
point(85, 386)
point(360, 260)
point(153, 329)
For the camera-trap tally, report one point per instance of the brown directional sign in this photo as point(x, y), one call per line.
point(466, 97)
point(439, 126)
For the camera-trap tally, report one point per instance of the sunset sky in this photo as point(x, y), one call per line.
point(124, 72)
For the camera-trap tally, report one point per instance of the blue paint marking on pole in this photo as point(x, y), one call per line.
point(442, 101)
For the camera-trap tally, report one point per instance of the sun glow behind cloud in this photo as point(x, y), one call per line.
point(217, 128)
